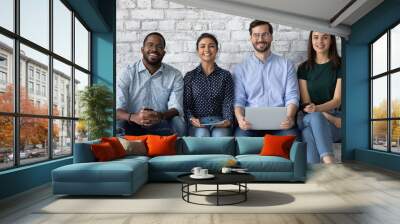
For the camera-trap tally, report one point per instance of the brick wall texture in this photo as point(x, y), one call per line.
point(181, 25)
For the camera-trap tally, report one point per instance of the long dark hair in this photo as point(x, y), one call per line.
point(311, 54)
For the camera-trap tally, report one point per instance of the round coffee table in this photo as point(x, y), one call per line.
point(238, 179)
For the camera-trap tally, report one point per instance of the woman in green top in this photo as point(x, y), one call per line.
point(320, 82)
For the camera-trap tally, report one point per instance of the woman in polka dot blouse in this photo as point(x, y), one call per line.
point(208, 93)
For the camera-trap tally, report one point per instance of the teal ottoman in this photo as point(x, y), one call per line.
point(118, 177)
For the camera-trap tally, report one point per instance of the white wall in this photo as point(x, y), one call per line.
point(181, 25)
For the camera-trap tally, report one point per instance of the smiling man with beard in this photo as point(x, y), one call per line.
point(150, 93)
point(265, 79)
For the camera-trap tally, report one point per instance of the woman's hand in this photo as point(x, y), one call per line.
point(225, 124)
point(337, 121)
point(196, 122)
point(310, 108)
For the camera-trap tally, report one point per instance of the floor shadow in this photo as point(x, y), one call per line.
point(255, 198)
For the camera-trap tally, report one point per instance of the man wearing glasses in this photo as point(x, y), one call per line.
point(265, 79)
point(149, 93)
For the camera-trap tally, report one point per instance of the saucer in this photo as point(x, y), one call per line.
point(208, 176)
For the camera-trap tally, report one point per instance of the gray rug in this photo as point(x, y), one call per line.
point(166, 198)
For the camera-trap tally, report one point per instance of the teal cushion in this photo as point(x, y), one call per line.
point(208, 145)
point(132, 157)
point(257, 163)
point(249, 145)
point(185, 163)
point(83, 152)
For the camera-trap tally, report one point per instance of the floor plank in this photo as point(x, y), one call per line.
point(376, 190)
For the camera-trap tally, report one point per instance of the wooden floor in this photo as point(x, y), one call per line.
point(378, 189)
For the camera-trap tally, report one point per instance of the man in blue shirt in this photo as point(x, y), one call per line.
point(150, 93)
point(265, 79)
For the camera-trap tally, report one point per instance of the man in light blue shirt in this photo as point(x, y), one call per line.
point(265, 79)
point(150, 93)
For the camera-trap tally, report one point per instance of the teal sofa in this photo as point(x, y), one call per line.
point(125, 176)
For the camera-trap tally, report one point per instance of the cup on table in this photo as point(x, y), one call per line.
point(203, 172)
point(226, 170)
point(196, 170)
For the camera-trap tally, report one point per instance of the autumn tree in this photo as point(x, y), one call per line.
point(380, 127)
point(33, 130)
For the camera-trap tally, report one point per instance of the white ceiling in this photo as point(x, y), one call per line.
point(332, 16)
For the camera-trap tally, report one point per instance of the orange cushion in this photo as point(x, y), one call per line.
point(103, 151)
point(134, 138)
point(275, 145)
point(161, 145)
point(116, 145)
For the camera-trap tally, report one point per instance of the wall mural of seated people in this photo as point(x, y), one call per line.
point(288, 44)
point(149, 93)
point(208, 93)
point(320, 81)
point(262, 80)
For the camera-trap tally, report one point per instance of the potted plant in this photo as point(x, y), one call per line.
point(96, 102)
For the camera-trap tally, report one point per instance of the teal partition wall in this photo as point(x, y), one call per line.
point(356, 100)
point(103, 52)
point(99, 16)
point(103, 59)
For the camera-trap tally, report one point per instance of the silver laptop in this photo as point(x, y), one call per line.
point(265, 118)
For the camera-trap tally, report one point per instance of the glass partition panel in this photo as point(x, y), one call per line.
point(35, 21)
point(34, 144)
point(7, 14)
point(379, 98)
point(81, 45)
point(379, 56)
point(62, 29)
point(62, 141)
point(62, 89)
point(379, 135)
point(6, 74)
point(6, 142)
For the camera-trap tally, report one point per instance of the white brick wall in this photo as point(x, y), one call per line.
point(181, 25)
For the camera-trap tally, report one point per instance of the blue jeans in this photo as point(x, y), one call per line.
point(319, 134)
point(260, 133)
point(209, 131)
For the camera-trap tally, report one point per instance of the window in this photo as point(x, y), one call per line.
point(43, 77)
point(62, 129)
point(3, 61)
point(46, 117)
point(81, 81)
point(30, 87)
point(7, 14)
point(62, 78)
point(35, 22)
point(7, 89)
point(385, 96)
point(62, 29)
point(81, 45)
point(30, 72)
point(3, 70)
point(43, 90)
point(38, 89)
point(3, 78)
point(38, 74)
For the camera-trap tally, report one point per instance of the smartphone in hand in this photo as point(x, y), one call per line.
point(147, 108)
